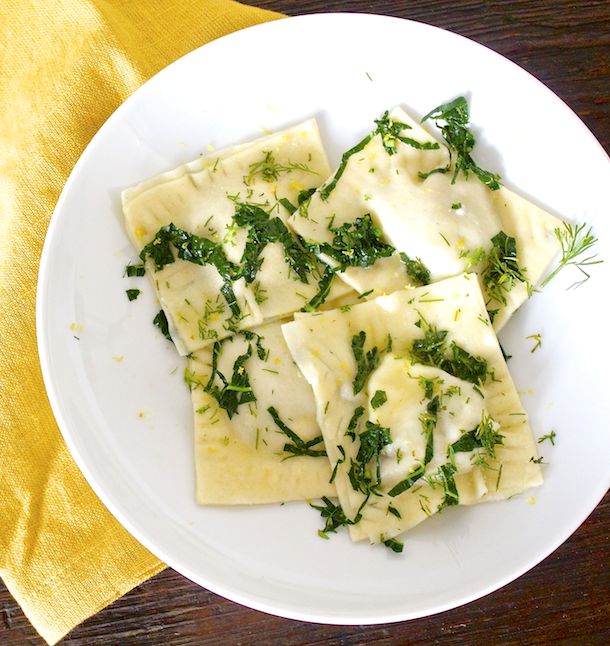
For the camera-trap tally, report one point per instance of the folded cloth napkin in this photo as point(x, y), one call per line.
point(65, 66)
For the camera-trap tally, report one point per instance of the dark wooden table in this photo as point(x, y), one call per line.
point(565, 599)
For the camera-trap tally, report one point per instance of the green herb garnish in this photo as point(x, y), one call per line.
point(550, 437)
point(390, 133)
point(134, 270)
point(270, 170)
point(195, 249)
point(324, 286)
point(339, 462)
point(379, 399)
point(502, 271)
point(574, 243)
point(262, 230)
point(132, 294)
point(537, 338)
point(393, 544)
point(238, 390)
point(453, 119)
point(365, 362)
point(416, 270)
point(335, 517)
point(372, 441)
point(160, 321)
point(355, 244)
point(432, 350)
point(353, 423)
point(485, 436)
point(298, 445)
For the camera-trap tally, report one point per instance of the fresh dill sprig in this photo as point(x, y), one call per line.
point(538, 341)
point(575, 242)
point(549, 436)
point(270, 170)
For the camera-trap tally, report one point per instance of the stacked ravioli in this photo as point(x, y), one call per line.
point(340, 328)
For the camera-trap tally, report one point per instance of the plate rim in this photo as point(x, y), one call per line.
point(98, 486)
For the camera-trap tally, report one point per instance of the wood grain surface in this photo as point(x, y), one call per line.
point(566, 598)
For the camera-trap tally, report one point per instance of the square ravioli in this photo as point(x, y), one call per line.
point(256, 435)
point(416, 405)
point(395, 214)
point(213, 236)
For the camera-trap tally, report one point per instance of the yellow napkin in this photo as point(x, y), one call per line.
point(65, 66)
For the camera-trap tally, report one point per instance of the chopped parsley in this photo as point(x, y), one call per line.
point(393, 544)
point(379, 399)
point(263, 229)
point(324, 286)
point(432, 350)
point(335, 517)
point(355, 244)
point(132, 294)
point(231, 393)
point(195, 249)
point(372, 441)
point(416, 270)
point(353, 423)
point(453, 120)
point(390, 132)
point(485, 436)
point(298, 446)
point(134, 270)
point(160, 321)
point(366, 362)
point(502, 271)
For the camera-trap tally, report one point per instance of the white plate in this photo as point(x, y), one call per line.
point(344, 69)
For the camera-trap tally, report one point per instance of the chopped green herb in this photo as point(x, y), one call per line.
point(539, 460)
point(379, 399)
point(372, 441)
point(485, 436)
point(160, 321)
point(390, 133)
point(353, 423)
point(262, 229)
point(132, 294)
point(549, 436)
point(452, 119)
point(270, 170)
point(431, 350)
point(335, 517)
point(574, 243)
point(288, 205)
point(134, 270)
point(502, 270)
point(456, 205)
point(394, 511)
point(365, 362)
point(324, 287)
point(413, 476)
point(538, 341)
point(416, 270)
point(445, 474)
point(195, 249)
point(355, 244)
point(394, 545)
point(298, 445)
point(238, 390)
point(340, 461)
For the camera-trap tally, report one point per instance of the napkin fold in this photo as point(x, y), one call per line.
point(65, 66)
